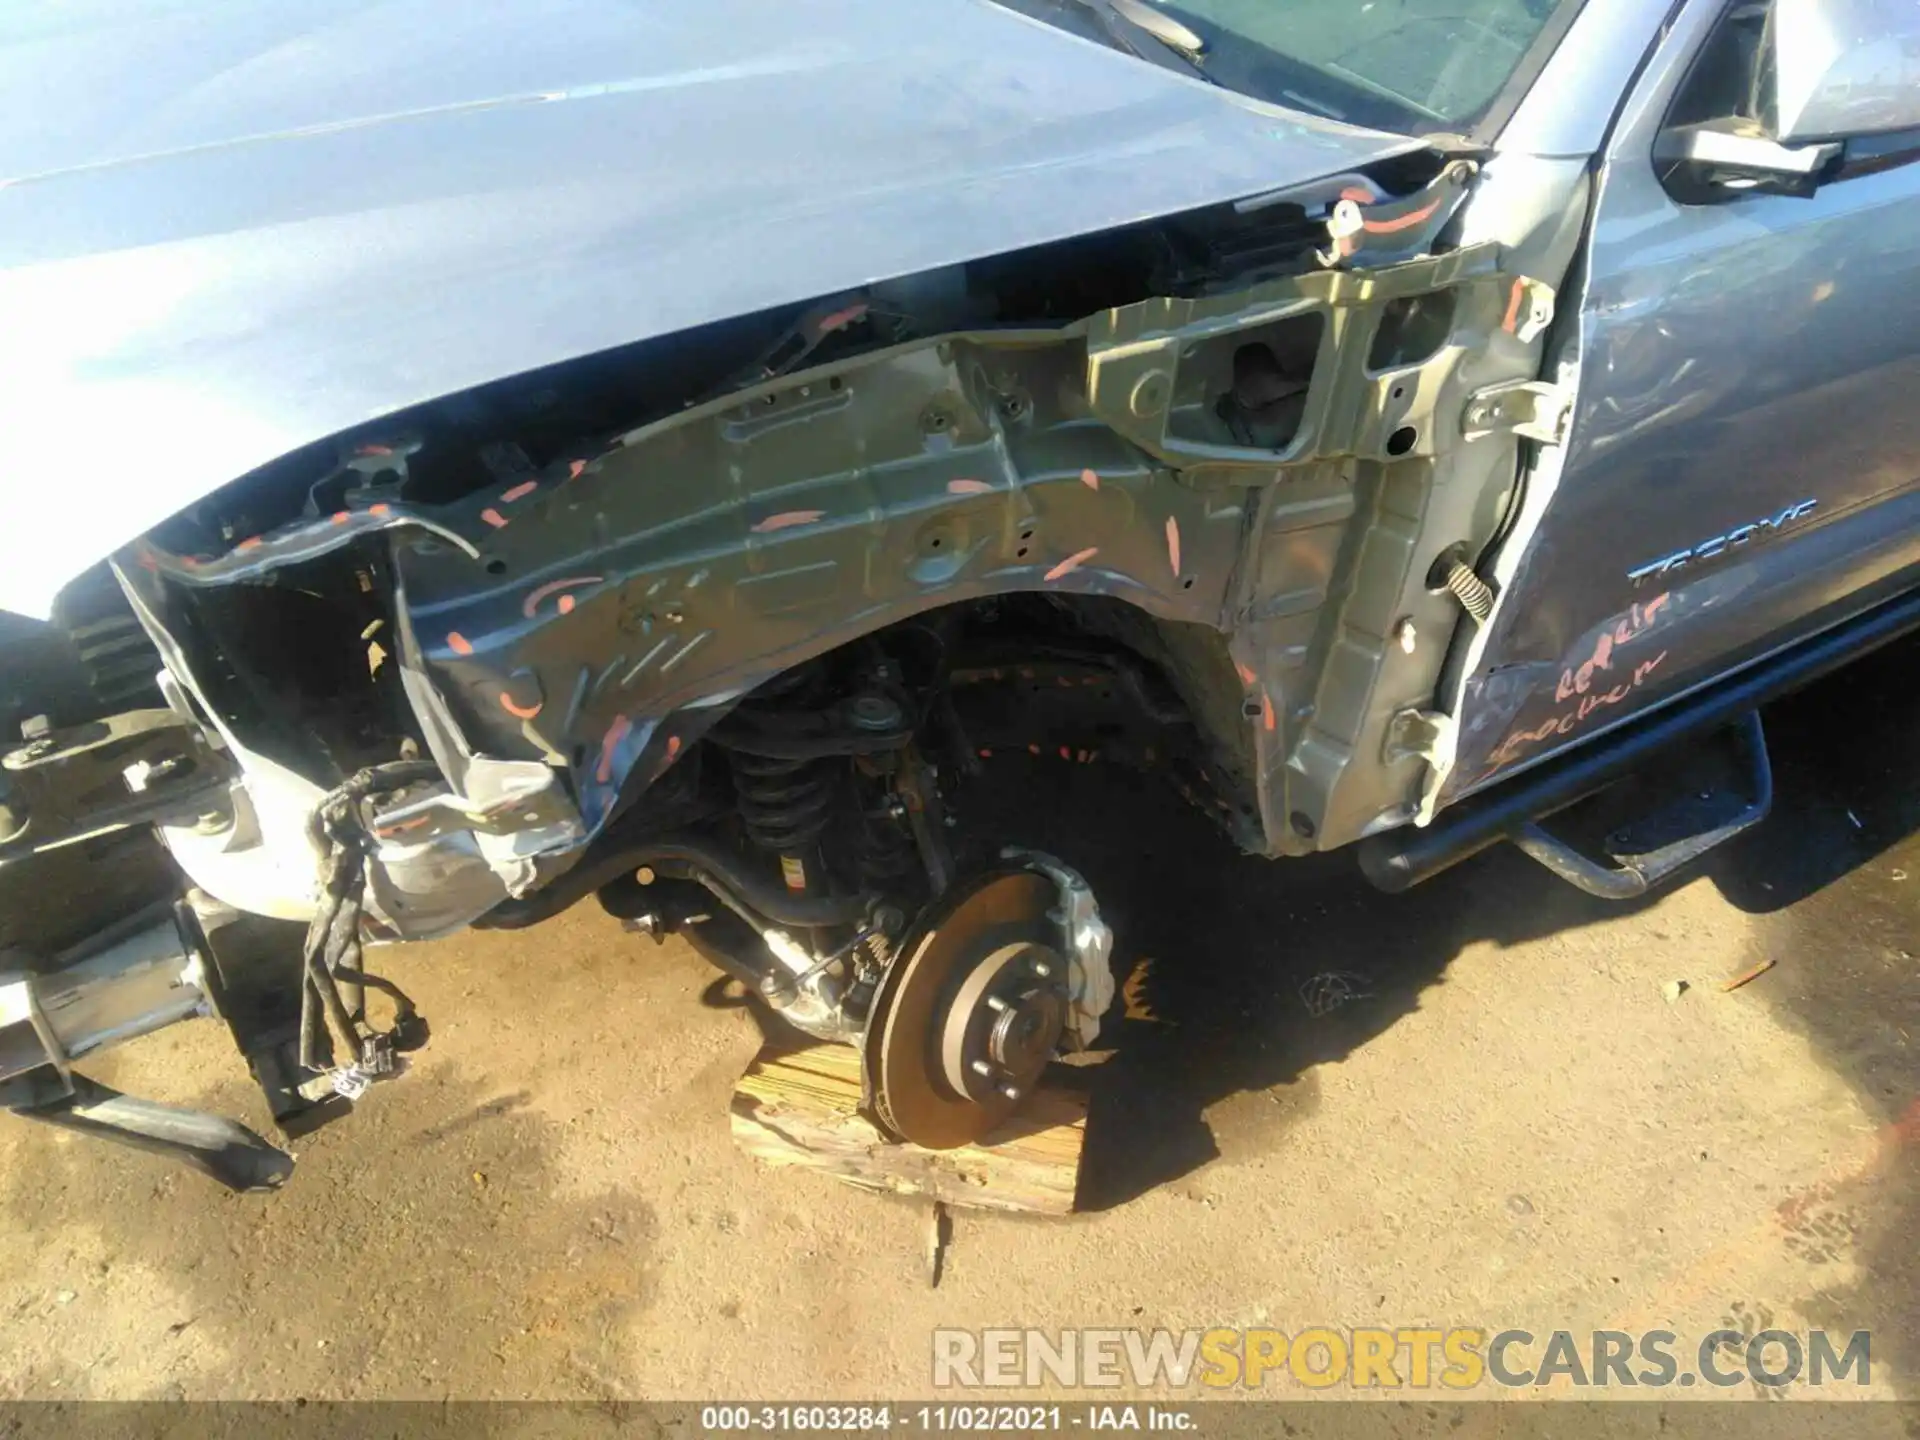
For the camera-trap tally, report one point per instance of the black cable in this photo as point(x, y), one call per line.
point(333, 945)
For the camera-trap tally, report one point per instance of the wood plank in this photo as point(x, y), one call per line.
point(802, 1107)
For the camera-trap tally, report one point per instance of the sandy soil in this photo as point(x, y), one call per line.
point(1511, 1124)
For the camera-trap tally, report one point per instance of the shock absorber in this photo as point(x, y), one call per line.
point(786, 804)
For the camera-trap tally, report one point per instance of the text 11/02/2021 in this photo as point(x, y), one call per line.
point(941, 1419)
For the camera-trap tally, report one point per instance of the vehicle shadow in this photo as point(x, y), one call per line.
point(1238, 973)
point(1846, 760)
point(1243, 974)
point(1835, 874)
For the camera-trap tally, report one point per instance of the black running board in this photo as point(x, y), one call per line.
point(1688, 828)
point(1401, 859)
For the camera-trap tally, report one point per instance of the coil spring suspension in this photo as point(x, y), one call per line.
point(785, 804)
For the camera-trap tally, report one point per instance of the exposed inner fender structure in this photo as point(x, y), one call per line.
point(597, 615)
point(726, 667)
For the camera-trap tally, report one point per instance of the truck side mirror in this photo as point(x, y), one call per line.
point(1845, 69)
point(1790, 94)
point(1732, 156)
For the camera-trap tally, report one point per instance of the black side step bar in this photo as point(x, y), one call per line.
point(1401, 859)
point(1688, 829)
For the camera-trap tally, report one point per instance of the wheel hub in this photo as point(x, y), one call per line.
point(963, 1025)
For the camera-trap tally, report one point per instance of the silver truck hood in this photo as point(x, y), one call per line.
point(229, 228)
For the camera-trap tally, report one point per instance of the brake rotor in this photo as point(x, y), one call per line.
point(963, 1025)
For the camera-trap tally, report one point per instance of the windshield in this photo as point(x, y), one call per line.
point(1408, 65)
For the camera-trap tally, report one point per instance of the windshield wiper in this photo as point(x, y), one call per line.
point(1128, 22)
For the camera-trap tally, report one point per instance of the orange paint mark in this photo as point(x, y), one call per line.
point(1089, 479)
point(1071, 563)
point(1906, 1129)
point(616, 732)
point(379, 509)
point(371, 449)
point(459, 643)
point(520, 491)
point(494, 518)
point(1268, 719)
point(968, 487)
point(519, 712)
point(564, 604)
point(1637, 621)
point(554, 587)
point(1884, 1145)
point(673, 747)
point(401, 826)
point(842, 318)
point(574, 469)
point(1405, 222)
point(786, 519)
point(1247, 677)
point(1359, 196)
point(1563, 724)
point(1861, 1162)
point(1512, 322)
point(340, 517)
point(1173, 545)
point(249, 544)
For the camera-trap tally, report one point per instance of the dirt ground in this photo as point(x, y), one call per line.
point(1508, 1123)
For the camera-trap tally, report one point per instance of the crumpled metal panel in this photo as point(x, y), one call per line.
point(229, 229)
point(617, 601)
point(596, 615)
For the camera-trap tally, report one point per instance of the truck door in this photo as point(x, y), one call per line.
point(1742, 461)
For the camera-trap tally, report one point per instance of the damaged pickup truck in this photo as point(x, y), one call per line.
point(459, 459)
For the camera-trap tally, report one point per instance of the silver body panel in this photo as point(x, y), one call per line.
point(243, 243)
point(228, 230)
point(1743, 372)
point(1847, 67)
point(1567, 112)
